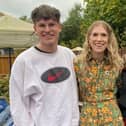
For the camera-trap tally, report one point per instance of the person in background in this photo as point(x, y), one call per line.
point(43, 89)
point(121, 93)
point(97, 69)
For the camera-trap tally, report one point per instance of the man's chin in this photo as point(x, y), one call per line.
point(51, 43)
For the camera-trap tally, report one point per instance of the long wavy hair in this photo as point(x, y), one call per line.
point(112, 49)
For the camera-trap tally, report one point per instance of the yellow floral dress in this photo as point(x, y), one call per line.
point(98, 90)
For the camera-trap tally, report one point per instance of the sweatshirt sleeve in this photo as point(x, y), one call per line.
point(18, 105)
point(75, 109)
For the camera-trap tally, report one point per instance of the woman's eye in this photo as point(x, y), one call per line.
point(103, 34)
point(94, 34)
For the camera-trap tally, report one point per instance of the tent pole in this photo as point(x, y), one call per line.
point(10, 61)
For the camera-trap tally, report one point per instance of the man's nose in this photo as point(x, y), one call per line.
point(47, 28)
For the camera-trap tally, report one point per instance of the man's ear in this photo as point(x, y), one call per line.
point(34, 27)
point(60, 27)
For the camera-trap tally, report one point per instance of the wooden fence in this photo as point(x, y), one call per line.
point(6, 63)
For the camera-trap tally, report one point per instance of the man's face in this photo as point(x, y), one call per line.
point(48, 31)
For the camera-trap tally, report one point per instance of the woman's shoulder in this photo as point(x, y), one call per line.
point(78, 63)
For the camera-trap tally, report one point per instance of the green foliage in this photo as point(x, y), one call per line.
point(4, 87)
point(70, 44)
point(71, 32)
point(25, 18)
point(112, 12)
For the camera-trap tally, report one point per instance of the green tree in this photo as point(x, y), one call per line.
point(25, 18)
point(71, 32)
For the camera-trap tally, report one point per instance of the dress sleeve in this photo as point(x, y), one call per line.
point(78, 77)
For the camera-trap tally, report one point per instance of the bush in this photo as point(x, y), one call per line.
point(4, 87)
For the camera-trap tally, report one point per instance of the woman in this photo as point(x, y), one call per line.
point(97, 69)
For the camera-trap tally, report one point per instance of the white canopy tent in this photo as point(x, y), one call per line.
point(15, 33)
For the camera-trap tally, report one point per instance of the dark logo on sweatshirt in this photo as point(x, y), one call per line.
point(55, 75)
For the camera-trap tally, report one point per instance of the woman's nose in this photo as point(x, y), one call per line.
point(99, 37)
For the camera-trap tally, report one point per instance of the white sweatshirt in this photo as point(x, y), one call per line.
point(43, 89)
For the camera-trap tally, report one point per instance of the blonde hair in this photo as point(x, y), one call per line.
point(112, 49)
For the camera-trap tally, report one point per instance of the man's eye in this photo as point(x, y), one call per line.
point(41, 25)
point(51, 24)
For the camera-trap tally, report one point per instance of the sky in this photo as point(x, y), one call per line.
point(20, 8)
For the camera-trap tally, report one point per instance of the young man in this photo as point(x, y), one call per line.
point(43, 90)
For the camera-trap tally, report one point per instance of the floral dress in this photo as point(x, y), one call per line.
point(98, 90)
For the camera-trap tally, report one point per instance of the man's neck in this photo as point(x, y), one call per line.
point(49, 49)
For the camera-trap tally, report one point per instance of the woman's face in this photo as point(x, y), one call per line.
point(98, 40)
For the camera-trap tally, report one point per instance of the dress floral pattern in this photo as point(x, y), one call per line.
point(98, 90)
